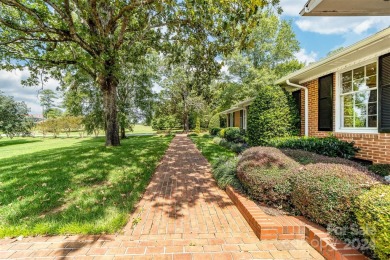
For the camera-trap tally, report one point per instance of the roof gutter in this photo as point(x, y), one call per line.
point(306, 104)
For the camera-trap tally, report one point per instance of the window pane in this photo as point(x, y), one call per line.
point(361, 109)
point(371, 69)
point(373, 96)
point(372, 108)
point(348, 121)
point(360, 121)
point(371, 82)
point(359, 85)
point(348, 100)
point(358, 73)
point(362, 97)
point(347, 87)
point(347, 76)
point(372, 121)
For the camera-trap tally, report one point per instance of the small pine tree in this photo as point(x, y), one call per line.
point(197, 126)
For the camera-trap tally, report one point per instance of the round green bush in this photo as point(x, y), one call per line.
point(373, 214)
point(215, 121)
point(234, 134)
point(264, 172)
point(270, 115)
point(324, 192)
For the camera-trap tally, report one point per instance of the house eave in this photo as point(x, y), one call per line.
point(374, 45)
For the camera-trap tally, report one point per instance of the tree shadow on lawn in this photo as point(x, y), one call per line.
point(9, 142)
point(84, 189)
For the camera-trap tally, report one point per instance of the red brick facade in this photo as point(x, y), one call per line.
point(374, 147)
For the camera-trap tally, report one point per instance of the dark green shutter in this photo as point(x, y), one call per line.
point(325, 103)
point(297, 99)
point(241, 119)
point(384, 94)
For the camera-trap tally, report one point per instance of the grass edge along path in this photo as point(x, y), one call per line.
point(84, 188)
point(211, 150)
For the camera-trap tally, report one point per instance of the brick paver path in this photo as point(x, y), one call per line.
point(182, 215)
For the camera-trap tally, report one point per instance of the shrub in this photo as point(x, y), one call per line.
point(224, 172)
point(197, 126)
point(380, 169)
point(214, 131)
point(234, 134)
point(372, 212)
point(264, 172)
point(215, 122)
point(192, 134)
point(206, 136)
point(270, 115)
point(324, 192)
point(222, 133)
point(329, 146)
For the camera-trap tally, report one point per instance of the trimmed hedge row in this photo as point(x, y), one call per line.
point(329, 146)
point(321, 188)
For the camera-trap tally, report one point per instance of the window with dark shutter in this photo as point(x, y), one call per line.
point(384, 94)
point(241, 119)
point(325, 103)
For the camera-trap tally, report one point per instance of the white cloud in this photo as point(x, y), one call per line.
point(305, 57)
point(342, 25)
point(292, 7)
point(10, 84)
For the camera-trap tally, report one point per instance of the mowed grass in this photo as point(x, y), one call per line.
point(142, 129)
point(211, 150)
point(73, 186)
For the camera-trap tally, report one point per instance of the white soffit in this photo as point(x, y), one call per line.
point(346, 8)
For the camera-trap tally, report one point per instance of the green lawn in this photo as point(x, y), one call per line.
point(73, 186)
point(142, 129)
point(211, 150)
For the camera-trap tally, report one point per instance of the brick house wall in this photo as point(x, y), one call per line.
point(374, 147)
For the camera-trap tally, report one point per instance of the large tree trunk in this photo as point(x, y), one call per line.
point(109, 87)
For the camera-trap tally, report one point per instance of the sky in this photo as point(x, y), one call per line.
point(317, 36)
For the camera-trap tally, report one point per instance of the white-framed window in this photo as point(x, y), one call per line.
point(358, 98)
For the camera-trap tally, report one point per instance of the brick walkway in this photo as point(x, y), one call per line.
point(182, 215)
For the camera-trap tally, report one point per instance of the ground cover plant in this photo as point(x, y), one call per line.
point(223, 161)
point(73, 186)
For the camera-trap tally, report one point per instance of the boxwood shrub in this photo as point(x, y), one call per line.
point(214, 131)
point(329, 146)
point(373, 215)
point(234, 134)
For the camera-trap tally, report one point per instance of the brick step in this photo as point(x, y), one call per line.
point(268, 227)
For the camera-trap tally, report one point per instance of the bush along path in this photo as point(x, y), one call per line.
point(182, 215)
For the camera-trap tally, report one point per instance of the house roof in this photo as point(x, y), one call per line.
point(238, 106)
point(369, 48)
point(346, 8)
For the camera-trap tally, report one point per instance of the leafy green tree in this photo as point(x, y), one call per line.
point(14, 119)
point(97, 37)
point(46, 98)
point(270, 115)
point(269, 56)
point(53, 113)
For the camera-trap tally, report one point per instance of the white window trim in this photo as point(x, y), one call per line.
point(338, 127)
point(244, 119)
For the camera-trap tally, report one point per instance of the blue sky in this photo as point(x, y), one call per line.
point(317, 36)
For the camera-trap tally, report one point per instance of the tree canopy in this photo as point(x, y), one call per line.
point(98, 36)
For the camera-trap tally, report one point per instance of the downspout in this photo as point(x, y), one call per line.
point(306, 104)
